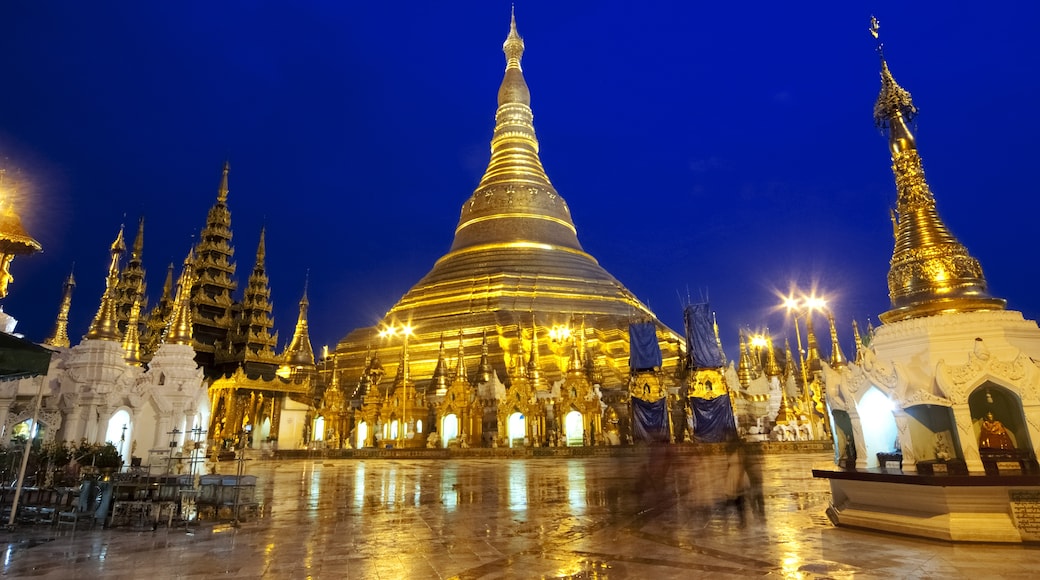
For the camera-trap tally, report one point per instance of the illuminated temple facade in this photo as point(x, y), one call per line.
point(515, 337)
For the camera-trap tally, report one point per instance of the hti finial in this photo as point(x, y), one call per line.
point(875, 28)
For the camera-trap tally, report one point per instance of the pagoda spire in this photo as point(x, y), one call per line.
point(132, 287)
point(222, 190)
point(131, 337)
point(521, 362)
point(772, 367)
point(440, 372)
point(930, 271)
point(838, 359)
point(744, 367)
point(158, 319)
point(180, 331)
point(300, 351)
point(60, 336)
point(859, 342)
point(484, 370)
point(460, 363)
point(534, 371)
point(214, 279)
point(812, 346)
point(789, 367)
point(588, 360)
point(104, 326)
point(250, 338)
point(515, 203)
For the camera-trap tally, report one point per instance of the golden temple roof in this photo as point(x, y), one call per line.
point(930, 272)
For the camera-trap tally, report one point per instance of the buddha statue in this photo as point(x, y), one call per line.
point(993, 434)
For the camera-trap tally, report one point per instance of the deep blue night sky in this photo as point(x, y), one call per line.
point(705, 150)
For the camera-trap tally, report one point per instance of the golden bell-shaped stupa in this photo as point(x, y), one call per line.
point(515, 261)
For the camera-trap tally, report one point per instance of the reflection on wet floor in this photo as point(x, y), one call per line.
point(657, 515)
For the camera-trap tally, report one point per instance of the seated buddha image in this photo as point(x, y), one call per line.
point(993, 434)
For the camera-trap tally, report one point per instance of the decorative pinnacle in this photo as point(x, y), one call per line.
point(893, 101)
point(930, 272)
point(180, 326)
point(514, 44)
point(222, 192)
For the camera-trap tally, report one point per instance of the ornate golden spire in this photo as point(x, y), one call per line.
point(838, 359)
point(744, 366)
point(105, 326)
point(534, 372)
point(440, 372)
point(222, 191)
point(300, 352)
point(789, 368)
point(515, 204)
point(859, 342)
point(521, 362)
point(484, 370)
point(131, 338)
point(460, 363)
point(180, 326)
point(60, 336)
point(772, 367)
point(812, 347)
point(930, 272)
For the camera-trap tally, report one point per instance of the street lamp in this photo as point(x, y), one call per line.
point(803, 307)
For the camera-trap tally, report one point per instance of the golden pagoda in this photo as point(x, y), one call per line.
point(515, 261)
point(931, 272)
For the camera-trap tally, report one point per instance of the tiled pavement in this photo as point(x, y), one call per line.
point(512, 518)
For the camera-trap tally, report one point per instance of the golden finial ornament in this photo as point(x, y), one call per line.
point(859, 342)
point(772, 368)
point(132, 338)
point(460, 363)
point(222, 190)
point(838, 359)
point(930, 271)
point(60, 336)
point(180, 325)
point(744, 368)
point(300, 352)
point(105, 324)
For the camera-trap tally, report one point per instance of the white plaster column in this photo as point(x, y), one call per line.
point(5, 412)
point(91, 426)
point(857, 435)
point(906, 443)
point(104, 413)
point(162, 428)
point(1032, 410)
point(966, 434)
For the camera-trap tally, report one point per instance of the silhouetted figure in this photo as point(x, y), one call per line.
point(736, 478)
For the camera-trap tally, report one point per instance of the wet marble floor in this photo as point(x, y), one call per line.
point(512, 518)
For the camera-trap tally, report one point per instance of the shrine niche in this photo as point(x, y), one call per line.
point(459, 415)
point(520, 415)
point(1000, 431)
point(578, 408)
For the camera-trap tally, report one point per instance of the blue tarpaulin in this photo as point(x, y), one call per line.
point(703, 347)
point(645, 353)
point(713, 420)
point(650, 420)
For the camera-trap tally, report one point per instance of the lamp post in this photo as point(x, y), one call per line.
point(803, 308)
